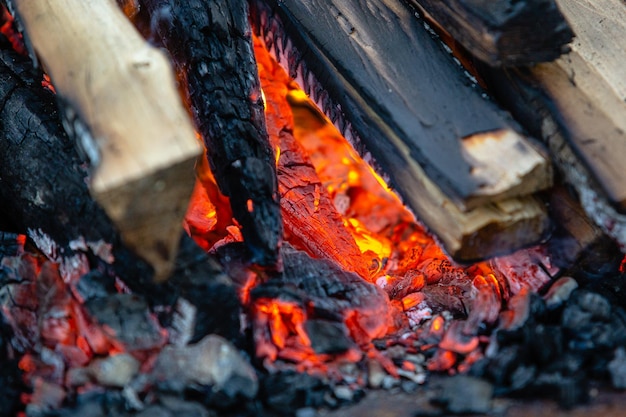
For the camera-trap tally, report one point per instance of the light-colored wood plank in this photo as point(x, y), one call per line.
point(123, 92)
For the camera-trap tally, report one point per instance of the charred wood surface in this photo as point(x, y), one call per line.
point(210, 41)
point(419, 117)
point(43, 182)
point(503, 32)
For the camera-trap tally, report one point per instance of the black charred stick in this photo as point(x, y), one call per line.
point(210, 42)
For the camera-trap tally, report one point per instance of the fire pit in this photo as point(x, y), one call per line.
point(349, 304)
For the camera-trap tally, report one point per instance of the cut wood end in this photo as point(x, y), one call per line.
point(506, 165)
point(497, 229)
point(149, 212)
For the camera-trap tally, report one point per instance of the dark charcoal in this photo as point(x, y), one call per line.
point(9, 246)
point(557, 352)
point(287, 392)
point(200, 280)
point(128, 320)
point(463, 394)
point(11, 382)
point(328, 337)
point(95, 284)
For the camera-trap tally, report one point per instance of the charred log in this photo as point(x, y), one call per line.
point(503, 32)
point(211, 44)
point(438, 169)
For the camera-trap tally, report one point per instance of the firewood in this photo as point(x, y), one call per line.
point(43, 185)
point(444, 146)
point(503, 32)
point(122, 104)
point(577, 105)
point(210, 42)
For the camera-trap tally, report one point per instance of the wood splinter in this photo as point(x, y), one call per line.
point(123, 92)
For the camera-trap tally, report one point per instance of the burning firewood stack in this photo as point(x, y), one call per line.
point(302, 278)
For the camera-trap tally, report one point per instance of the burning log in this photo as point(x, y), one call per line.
point(121, 103)
point(210, 42)
point(310, 218)
point(432, 132)
point(576, 105)
point(503, 32)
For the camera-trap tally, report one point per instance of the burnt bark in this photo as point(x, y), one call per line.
point(210, 42)
point(43, 181)
point(503, 32)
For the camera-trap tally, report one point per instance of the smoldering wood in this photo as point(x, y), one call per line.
point(406, 108)
point(210, 43)
point(122, 105)
point(311, 221)
point(43, 186)
point(503, 32)
point(402, 129)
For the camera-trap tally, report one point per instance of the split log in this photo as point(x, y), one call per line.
point(122, 105)
point(502, 32)
point(444, 146)
point(43, 185)
point(210, 42)
point(577, 105)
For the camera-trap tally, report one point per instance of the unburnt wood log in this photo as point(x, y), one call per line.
point(210, 42)
point(503, 32)
point(43, 182)
point(577, 105)
point(122, 104)
point(445, 148)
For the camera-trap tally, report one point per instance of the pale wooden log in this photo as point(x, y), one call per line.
point(123, 92)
